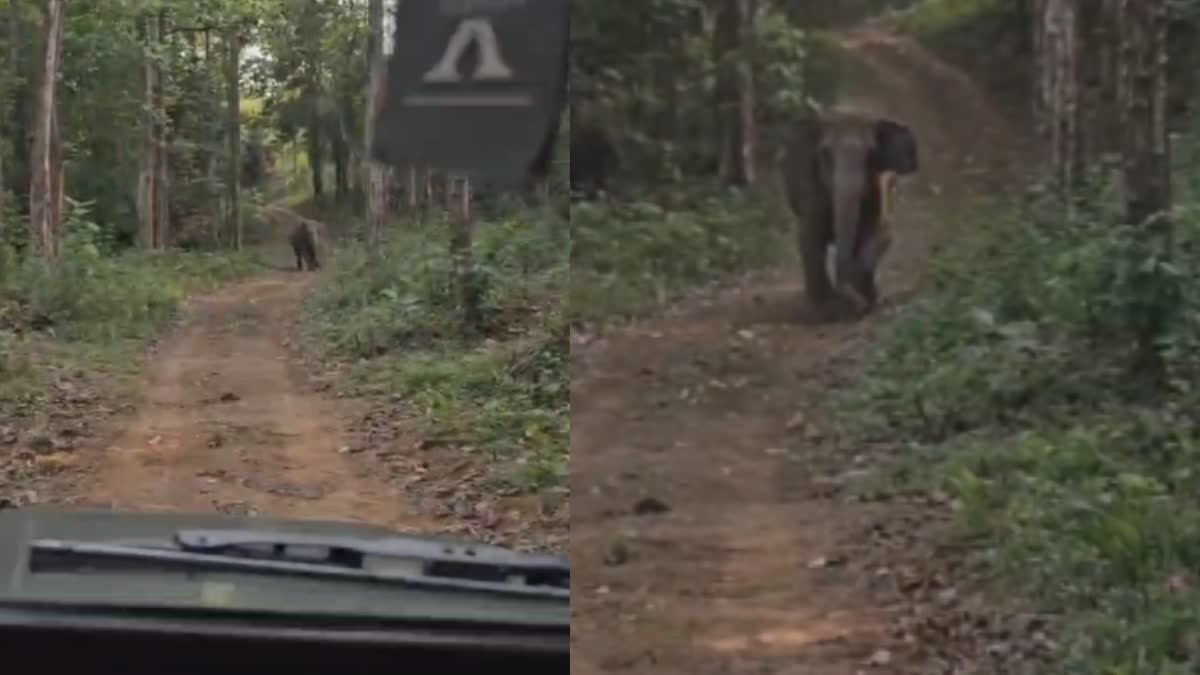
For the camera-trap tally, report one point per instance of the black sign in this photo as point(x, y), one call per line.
point(474, 86)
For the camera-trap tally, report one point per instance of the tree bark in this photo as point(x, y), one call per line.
point(19, 136)
point(378, 175)
point(464, 281)
point(732, 40)
point(316, 158)
point(1143, 91)
point(233, 103)
point(1058, 76)
point(45, 188)
point(152, 178)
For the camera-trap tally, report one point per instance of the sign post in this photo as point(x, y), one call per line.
point(474, 86)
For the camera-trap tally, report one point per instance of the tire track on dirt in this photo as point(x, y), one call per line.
point(714, 411)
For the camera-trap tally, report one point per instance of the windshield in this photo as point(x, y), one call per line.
point(216, 300)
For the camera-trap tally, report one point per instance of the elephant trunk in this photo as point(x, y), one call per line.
point(849, 187)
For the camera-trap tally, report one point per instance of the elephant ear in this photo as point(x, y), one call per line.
point(895, 147)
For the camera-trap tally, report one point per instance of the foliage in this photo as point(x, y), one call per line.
point(93, 309)
point(93, 295)
point(1024, 373)
point(506, 391)
point(632, 257)
point(928, 17)
point(647, 73)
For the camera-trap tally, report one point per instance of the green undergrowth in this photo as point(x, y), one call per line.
point(502, 391)
point(1049, 382)
point(631, 258)
point(95, 308)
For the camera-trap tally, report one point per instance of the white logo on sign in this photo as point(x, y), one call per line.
point(491, 66)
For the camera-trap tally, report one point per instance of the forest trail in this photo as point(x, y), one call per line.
point(230, 422)
point(709, 531)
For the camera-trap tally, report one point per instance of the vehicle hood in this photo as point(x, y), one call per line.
point(236, 592)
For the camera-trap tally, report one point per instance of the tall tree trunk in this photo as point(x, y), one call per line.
point(1100, 38)
point(1146, 155)
point(45, 187)
point(316, 158)
point(464, 281)
point(732, 37)
point(378, 175)
point(1058, 75)
point(233, 105)
point(341, 171)
point(18, 174)
point(162, 192)
point(414, 198)
point(152, 192)
point(1040, 94)
point(1143, 78)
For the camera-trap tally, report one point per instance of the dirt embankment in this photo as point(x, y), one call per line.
point(710, 530)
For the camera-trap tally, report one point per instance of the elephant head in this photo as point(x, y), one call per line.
point(837, 169)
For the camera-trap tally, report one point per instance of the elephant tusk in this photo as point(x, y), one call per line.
point(887, 194)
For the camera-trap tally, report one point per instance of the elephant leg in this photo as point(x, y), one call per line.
point(870, 255)
point(814, 239)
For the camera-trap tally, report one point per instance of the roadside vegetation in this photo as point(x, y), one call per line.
point(499, 390)
point(1047, 383)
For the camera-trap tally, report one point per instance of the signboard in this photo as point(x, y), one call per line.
point(473, 86)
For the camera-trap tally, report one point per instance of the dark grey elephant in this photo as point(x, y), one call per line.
point(839, 170)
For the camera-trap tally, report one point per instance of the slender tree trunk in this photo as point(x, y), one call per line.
point(152, 190)
point(735, 90)
point(233, 104)
point(316, 158)
point(414, 198)
point(1145, 145)
point(1058, 75)
point(45, 189)
point(18, 174)
point(1146, 156)
point(378, 175)
point(1040, 94)
point(464, 282)
point(747, 133)
point(341, 171)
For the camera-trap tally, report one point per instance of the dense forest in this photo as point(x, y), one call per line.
point(154, 157)
point(1001, 454)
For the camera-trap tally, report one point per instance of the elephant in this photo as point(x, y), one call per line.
point(303, 239)
point(840, 172)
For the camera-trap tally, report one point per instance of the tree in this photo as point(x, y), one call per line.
point(378, 175)
point(1143, 105)
point(1057, 93)
point(46, 183)
point(732, 44)
point(153, 197)
point(233, 109)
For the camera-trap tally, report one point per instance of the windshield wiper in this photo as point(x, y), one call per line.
point(396, 560)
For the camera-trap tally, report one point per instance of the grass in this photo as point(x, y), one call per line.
point(95, 310)
point(1023, 378)
point(504, 391)
point(631, 258)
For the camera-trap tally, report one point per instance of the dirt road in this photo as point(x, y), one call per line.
point(709, 530)
point(230, 423)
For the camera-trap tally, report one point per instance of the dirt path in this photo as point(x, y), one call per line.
point(758, 564)
point(230, 423)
